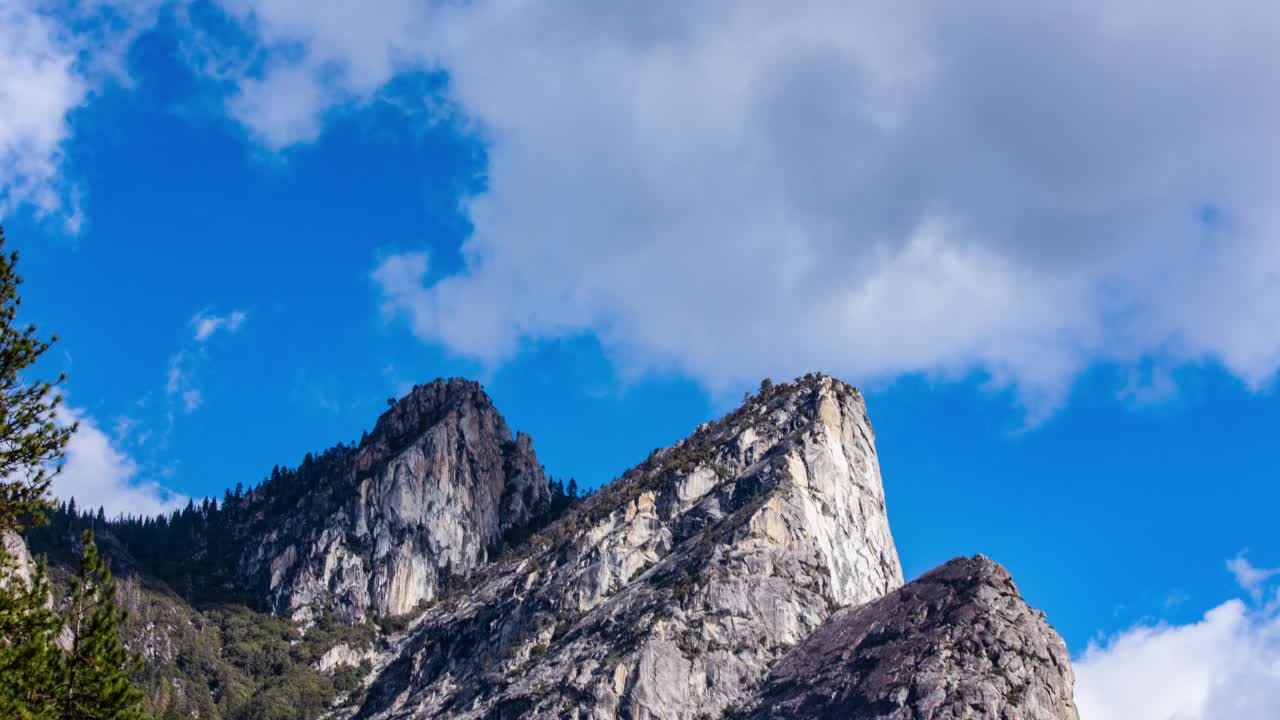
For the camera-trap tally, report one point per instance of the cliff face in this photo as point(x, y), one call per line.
point(958, 642)
point(671, 592)
point(426, 497)
point(747, 571)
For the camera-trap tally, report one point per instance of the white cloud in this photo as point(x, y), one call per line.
point(206, 324)
point(182, 386)
point(1250, 578)
point(180, 382)
point(39, 84)
point(52, 56)
point(351, 50)
point(97, 473)
point(872, 188)
point(1225, 666)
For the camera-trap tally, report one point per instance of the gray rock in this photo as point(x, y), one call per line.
point(670, 593)
point(747, 571)
point(424, 499)
point(957, 643)
point(18, 565)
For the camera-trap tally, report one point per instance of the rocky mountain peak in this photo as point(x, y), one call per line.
point(426, 405)
point(670, 592)
point(957, 642)
point(427, 497)
point(747, 571)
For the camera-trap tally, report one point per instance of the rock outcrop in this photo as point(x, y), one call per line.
point(672, 592)
point(18, 564)
point(959, 642)
point(427, 497)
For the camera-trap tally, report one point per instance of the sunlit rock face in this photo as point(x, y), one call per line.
point(18, 562)
point(959, 642)
point(383, 527)
point(673, 591)
point(745, 572)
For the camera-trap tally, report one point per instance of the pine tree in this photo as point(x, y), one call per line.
point(30, 441)
point(29, 656)
point(30, 437)
point(38, 679)
point(93, 679)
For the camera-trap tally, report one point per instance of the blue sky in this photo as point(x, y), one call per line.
point(252, 226)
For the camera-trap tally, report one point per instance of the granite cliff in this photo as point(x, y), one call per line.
point(426, 497)
point(747, 571)
point(670, 593)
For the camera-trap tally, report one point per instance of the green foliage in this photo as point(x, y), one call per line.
point(90, 676)
point(95, 674)
point(235, 663)
point(29, 656)
point(30, 439)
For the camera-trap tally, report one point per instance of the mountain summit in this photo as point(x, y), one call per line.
point(672, 591)
point(433, 571)
point(426, 497)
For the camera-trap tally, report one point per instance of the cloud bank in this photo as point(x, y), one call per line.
point(1227, 665)
point(734, 190)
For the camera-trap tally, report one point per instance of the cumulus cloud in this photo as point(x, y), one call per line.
point(873, 188)
point(52, 56)
point(1227, 665)
point(98, 473)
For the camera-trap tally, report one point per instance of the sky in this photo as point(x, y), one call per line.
point(1043, 240)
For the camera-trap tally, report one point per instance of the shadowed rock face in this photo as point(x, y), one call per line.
point(671, 592)
point(957, 643)
point(385, 526)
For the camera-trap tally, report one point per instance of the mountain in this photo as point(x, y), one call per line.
point(426, 497)
point(433, 570)
point(973, 648)
point(672, 591)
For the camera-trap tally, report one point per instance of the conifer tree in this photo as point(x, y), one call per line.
point(29, 656)
point(30, 442)
point(93, 679)
point(30, 438)
point(38, 679)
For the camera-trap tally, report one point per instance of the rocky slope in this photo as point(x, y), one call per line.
point(672, 592)
point(959, 642)
point(426, 497)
